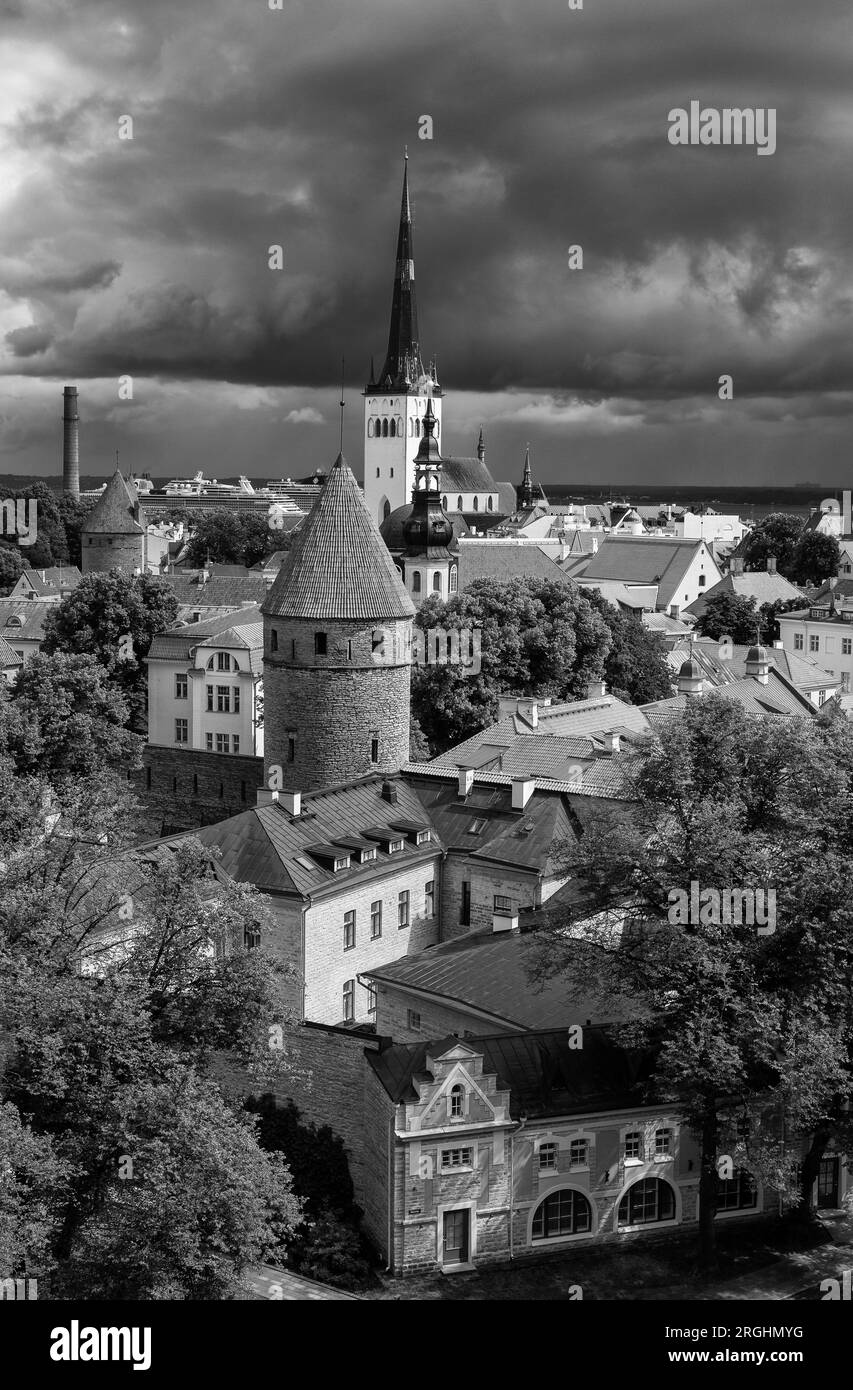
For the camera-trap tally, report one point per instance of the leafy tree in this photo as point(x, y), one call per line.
point(233, 538)
point(11, 567)
point(418, 746)
point(331, 1251)
point(121, 976)
point(775, 535)
point(816, 558)
point(635, 669)
point(33, 1192)
point(743, 1023)
point(51, 544)
point(730, 615)
point(62, 718)
point(114, 617)
point(73, 513)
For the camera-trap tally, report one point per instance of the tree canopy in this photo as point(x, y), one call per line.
point(233, 538)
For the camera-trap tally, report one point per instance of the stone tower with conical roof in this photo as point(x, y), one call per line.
point(337, 649)
point(395, 399)
point(112, 536)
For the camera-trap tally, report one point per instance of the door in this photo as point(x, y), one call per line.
point(455, 1237)
point(827, 1183)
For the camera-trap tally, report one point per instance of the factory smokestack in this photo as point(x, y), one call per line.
point(70, 443)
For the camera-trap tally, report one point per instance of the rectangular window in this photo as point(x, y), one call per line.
point(814, 643)
point(503, 904)
point(293, 649)
point(548, 1155)
point(223, 661)
point(181, 687)
point(222, 742)
point(208, 742)
point(634, 1144)
point(423, 837)
point(579, 1153)
point(273, 640)
point(847, 646)
point(375, 919)
point(349, 1000)
point(394, 846)
point(457, 1158)
point(210, 697)
point(291, 748)
point(235, 746)
point(465, 906)
point(403, 909)
point(236, 694)
point(349, 930)
point(374, 748)
point(349, 650)
point(413, 1020)
point(181, 730)
point(798, 642)
point(371, 999)
point(223, 699)
point(319, 644)
point(342, 863)
point(663, 1143)
point(429, 898)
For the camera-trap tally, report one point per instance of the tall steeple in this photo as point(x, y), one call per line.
point(403, 365)
point(526, 498)
point(428, 526)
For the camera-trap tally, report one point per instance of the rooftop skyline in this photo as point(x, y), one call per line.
point(254, 127)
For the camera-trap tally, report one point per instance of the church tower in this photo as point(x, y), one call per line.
point(337, 649)
point(396, 399)
point(430, 564)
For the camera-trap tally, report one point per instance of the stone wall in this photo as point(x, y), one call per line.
point(184, 787)
point(438, 1019)
point(101, 553)
point(487, 881)
point(333, 705)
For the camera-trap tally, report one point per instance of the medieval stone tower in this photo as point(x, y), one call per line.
point(395, 401)
point(112, 537)
point(337, 649)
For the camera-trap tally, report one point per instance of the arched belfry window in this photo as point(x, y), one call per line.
point(436, 583)
point(386, 510)
point(459, 504)
point(370, 428)
point(444, 503)
point(417, 428)
point(476, 504)
point(384, 429)
point(491, 504)
point(453, 579)
point(416, 582)
point(393, 429)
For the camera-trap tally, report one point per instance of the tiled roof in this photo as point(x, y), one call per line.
point(8, 657)
point(725, 670)
point(266, 846)
point(779, 696)
point(339, 566)
point(466, 475)
point(487, 971)
point(637, 596)
point(243, 630)
point(507, 498)
point(544, 1075)
point(115, 510)
point(503, 562)
point(644, 560)
point(49, 582)
point(218, 593)
point(758, 584)
point(32, 613)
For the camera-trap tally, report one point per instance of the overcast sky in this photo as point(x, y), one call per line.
point(253, 127)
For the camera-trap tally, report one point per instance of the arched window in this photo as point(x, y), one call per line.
point(386, 510)
point(436, 583)
point(418, 428)
point(444, 503)
point(647, 1201)
point(738, 1193)
point(416, 582)
point(370, 428)
point(563, 1213)
point(453, 580)
point(476, 504)
point(379, 472)
point(456, 1106)
point(393, 429)
point(399, 427)
point(459, 504)
point(491, 504)
point(384, 429)
point(411, 428)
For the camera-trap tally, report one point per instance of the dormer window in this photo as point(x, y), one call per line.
point(423, 836)
point(366, 855)
point(394, 846)
point(341, 863)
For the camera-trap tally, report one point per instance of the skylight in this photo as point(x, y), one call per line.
point(304, 863)
point(476, 825)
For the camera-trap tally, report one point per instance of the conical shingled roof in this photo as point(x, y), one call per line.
point(339, 565)
point(115, 511)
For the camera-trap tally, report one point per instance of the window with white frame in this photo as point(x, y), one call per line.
point(349, 1000)
point(403, 908)
point(181, 687)
point(208, 742)
point(738, 1193)
point(223, 699)
point(548, 1155)
point(429, 898)
point(579, 1153)
point(799, 642)
point(634, 1145)
point(648, 1201)
point(562, 1213)
point(456, 1102)
point(235, 743)
point(181, 730)
point(457, 1158)
point(349, 930)
point(371, 998)
point(222, 743)
point(663, 1143)
point(814, 643)
point(376, 919)
point(847, 646)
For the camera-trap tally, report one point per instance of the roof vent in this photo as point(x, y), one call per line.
point(389, 792)
point(466, 780)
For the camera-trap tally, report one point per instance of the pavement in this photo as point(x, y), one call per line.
point(265, 1281)
point(797, 1275)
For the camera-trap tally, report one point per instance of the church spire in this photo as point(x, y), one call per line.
point(525, 492)
point(403, 365)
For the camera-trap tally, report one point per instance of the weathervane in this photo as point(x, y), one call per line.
point(342, 402)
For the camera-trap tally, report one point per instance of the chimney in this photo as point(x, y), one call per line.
point(846, 522)
point(266, 797)
point(466, 780)
point(779, 643)
point(70, 443)
point(771, 564)
point(389, 792)
point(291, 801)
point(529, 711)
point(595, 689)
point(736, 564)
point(522, 790)
point(612, 742)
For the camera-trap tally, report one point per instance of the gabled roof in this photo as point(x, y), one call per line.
point(487, 972)
point(270, 848)
point(646, 560)
point(805, 674)
point(233, 592)
point(32, 614)
point(339, 565)
point(505, 561)
point(48, 582)
point(115, 511)
point(243, 630)
point(543, 1074)
point(507, 500)
point(8, 657)
point(465, 475)
point(757, 584)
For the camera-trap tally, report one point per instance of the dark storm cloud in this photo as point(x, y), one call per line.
point(253, 128)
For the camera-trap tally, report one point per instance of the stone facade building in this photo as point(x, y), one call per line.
point(115, 536)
